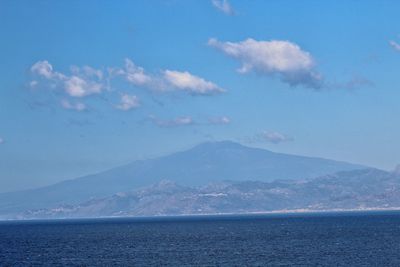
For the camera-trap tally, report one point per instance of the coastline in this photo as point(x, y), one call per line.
point(217, 216)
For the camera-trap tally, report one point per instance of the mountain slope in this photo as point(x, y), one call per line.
point(205, 163)
point(358, 190)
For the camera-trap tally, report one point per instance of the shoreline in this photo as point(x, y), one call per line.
point(216, 216)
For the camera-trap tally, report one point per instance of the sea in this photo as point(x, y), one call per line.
point(326, 239)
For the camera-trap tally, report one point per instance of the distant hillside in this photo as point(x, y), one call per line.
point(203, 164)
point(358, 190)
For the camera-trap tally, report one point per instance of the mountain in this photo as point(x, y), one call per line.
point(206, 163)
point(351, 190)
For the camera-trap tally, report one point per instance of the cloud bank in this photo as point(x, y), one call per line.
point(85, 81)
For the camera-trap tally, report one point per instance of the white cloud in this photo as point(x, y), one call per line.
point(45, 69)
point(128, 102)
point(166, 81)
point(79, 87)
point(78, 106)
point(83, 81)
point(179, 121)
point(395, 45)
point(223, 5)
point(188, 82)
point(219, 120)
point(1, 141)
point(135, 74)
point(283, 58)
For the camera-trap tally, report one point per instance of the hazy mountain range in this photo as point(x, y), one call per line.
point(357, 190)
point(214, 177)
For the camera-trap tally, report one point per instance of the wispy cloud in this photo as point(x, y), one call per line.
point(33, 84)
point(80, 122)
point(188, 120)
point(176, 122)
point(219, 120)
point(395, 45)
point(282, 58)
point(1, 140)
point(224, 6)
point(77, 106)
point(128, 102)
point(273, 137)
point(355, 82)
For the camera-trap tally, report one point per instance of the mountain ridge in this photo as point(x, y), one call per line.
point(205, 163)
point(366, 189)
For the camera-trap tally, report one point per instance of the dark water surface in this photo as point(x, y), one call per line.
point(303, 240)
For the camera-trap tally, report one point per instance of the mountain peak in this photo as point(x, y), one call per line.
point(204, 163)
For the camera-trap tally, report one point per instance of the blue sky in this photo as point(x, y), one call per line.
point(88, 85)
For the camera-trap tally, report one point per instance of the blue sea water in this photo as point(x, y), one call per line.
point(365, 239)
